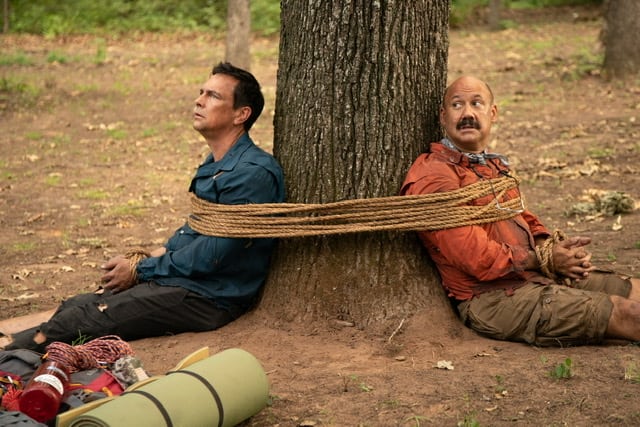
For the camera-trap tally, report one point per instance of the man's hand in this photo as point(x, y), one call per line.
point(571, 259)
point(118, 277)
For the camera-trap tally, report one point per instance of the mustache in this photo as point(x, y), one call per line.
point(468, 121)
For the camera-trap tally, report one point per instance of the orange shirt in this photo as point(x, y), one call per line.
point(477, 258)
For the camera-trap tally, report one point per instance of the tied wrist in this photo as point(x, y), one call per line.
point(135, 256)
point(544, 255)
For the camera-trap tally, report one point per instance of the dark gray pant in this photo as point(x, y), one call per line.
point(145, 310)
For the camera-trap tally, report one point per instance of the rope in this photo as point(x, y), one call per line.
point(96, 353)
point(435, 211)
point(135, 256)
point(544, 253)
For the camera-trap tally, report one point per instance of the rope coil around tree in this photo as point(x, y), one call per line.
point(434, 211)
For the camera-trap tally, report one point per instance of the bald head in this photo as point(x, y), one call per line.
point(468, 81)
point(467, 113)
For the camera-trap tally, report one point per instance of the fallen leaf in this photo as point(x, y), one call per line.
point(21, 274)
point(445, 364)
point(27, 295)
point(617, 224)
point(36, 217)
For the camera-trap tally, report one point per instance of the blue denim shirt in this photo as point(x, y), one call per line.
point(228, 270)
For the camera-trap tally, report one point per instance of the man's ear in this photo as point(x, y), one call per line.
point(494, 113)
point(242, 114)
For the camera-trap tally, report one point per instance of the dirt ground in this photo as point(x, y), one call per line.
point(98, 151)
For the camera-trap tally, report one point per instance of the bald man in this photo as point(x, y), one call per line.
point(492, 272)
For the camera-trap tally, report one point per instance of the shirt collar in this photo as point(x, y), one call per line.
point(480, 158)
point(231, 157)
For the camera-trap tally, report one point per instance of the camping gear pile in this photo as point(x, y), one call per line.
point(102, 383)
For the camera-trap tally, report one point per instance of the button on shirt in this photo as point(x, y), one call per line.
point(228, 270)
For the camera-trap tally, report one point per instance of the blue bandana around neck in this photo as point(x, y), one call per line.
point(480, 158)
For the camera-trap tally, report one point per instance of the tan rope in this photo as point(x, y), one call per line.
point(435, 211)
point(135, 256)
point(544, 253)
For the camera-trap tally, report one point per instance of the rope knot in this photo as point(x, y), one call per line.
point(135, 256)
point(544, 253)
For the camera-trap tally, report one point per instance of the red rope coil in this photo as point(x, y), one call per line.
point(97, 353)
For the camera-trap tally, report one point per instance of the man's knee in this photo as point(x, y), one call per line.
point(624, 321)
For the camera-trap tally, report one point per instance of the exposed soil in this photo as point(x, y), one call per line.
point(97, 153)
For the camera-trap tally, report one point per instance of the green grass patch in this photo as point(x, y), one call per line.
point(101, 51)
point(632, 373)
point(117, 134)
point(600, 153)
point(59, 140)
point(83, 222)
point(6, 175)
point(562, 370)
point(86, 88)
point(53, 18)
point(53, 179)
point(16, 86)
point(33, 135)
point(93, 194)
point(18, 58)
point(59, 57)
point(122, 88)
point(469, 420)
point(131, 208)
point(86, 182)
point(93, 242)
point(149, 132)
point(21, 247)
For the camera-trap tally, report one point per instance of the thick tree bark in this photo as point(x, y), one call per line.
point(621, 37)
point(238, 33)
point(358, 93)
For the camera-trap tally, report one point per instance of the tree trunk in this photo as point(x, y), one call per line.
point(621, 37)
point(238, 33)
point(5, 15)
point(494, 14)
point(358, 93)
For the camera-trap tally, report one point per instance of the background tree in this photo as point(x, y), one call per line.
point(238, 33)
point(495, 7)
point(621, 37)
point(358, 92)
point(5, 16)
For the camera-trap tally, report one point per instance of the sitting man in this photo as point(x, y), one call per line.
point(195, 282)
point(496, 273)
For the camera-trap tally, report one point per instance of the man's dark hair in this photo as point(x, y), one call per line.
point(246, 93)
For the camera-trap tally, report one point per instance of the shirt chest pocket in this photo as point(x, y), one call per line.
point(183, 237)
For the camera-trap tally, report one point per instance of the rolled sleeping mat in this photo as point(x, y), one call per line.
point(222, 390)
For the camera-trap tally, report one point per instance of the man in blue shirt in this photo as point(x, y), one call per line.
point(194, 282)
